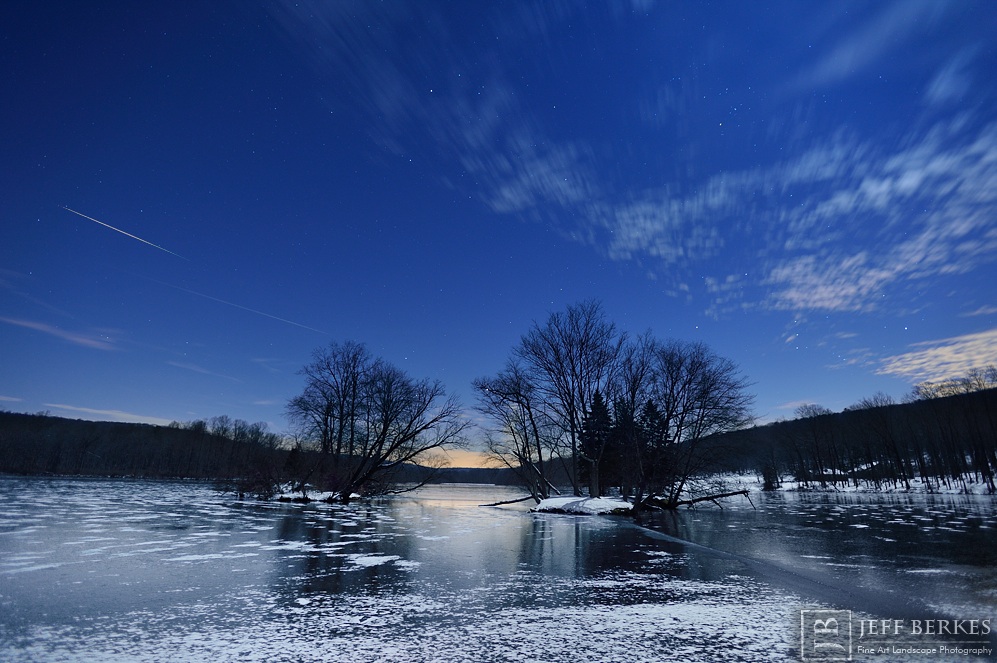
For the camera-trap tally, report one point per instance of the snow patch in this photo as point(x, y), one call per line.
point(372, 560)
point(583, 505)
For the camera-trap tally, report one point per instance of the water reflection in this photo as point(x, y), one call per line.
point(104, 570)
point(937, 549)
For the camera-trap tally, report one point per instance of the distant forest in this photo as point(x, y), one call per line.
point(42, 444)
point(938, 438)
point(220, 449)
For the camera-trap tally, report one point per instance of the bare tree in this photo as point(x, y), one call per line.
point(221, 425)
point(694, 394)
point(522, 433)
point(820, 434)
point(325, 412)
point(368, 418)
point(878, 415)
point(567, 360)
point(977, 379)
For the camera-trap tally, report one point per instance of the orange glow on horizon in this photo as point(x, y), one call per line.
point(465, 458)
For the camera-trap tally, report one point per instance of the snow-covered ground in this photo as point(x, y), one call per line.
point(917, 486)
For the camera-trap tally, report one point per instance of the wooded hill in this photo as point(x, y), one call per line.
point(42, 444)
point(935, 441)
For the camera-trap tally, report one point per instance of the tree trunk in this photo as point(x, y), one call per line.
point(594, 488)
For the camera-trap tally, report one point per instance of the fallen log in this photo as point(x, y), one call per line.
point(709, 498)
point(521, 499)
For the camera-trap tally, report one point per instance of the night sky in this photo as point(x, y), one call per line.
point(196, 195)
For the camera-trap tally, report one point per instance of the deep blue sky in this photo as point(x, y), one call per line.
point(809, 188)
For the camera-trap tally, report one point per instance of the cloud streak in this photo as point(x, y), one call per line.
point(895, 24)
point(930, 208)
point(84, 340)
point(943, 359)
point(983, 310)
point(111, 415)
point(203, 371)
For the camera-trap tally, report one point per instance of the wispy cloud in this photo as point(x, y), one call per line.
point(470, 111)
point(528, 177)
point(97, 342)
point(203, 371)
point(930, 208)
point(791, 406)
point(943, 359)
point(357, 43)
point(954, 80)
point(983, 310)
point(927, 200)
point(110, 415)
point(14, 283)
point(10, 399)
point(272, 365)
point(809, 283)
point(895, 23)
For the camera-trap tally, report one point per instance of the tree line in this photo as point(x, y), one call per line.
point(942, 435)
point(240, 457)
point(219, 448)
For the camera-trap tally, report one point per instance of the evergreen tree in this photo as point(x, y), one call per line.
point(594, 439)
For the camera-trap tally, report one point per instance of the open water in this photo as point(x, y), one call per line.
point(120, 570)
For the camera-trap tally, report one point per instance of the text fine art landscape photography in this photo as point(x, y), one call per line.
point(527, 331)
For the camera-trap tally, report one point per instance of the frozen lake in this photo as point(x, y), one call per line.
point(115, 570)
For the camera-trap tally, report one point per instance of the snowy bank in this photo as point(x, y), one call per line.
point(918, 486)
point(584, 505)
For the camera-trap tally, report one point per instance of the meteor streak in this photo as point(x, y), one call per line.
point(107, 225)
point(238, 306)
